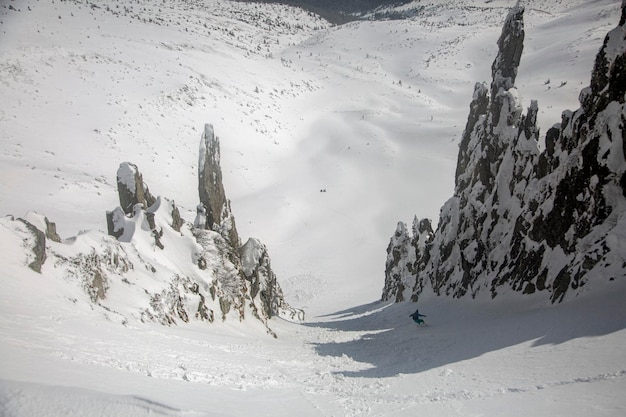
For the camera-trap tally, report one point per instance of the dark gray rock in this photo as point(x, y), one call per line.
point(219, 215)
point(39, 246)
point(51, 231)
point(131, 188)
point(177, 221)
point(504, 67)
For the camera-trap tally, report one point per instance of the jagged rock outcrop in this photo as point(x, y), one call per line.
point(257, 268)
point(218, 213)
point(525, 219)
point(154, 265)
point(228, 284)
point(406, 254)
point(225, 278)
point(37, 243)
point(38, 230)
point(399, 272)
point(131, 188)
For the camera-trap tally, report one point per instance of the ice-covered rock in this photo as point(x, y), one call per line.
point(399, 267)
point(155, 266)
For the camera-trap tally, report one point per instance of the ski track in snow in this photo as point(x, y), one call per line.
point(364, 361)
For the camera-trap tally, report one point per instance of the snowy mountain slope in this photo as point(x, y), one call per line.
point(294, 117)
point(473, 358)
point(82, 93)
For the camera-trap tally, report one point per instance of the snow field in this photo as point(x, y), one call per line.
point(472, 358)
point(370, 112)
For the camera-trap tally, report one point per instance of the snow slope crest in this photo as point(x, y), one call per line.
point(527, 220)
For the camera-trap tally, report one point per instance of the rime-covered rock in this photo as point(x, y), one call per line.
point(406, 254)
point(399, 272)
point(228, 285)
point(527, 220)
point(200, 220)
point(264, 286)
point(421, 241)
point(219, 215)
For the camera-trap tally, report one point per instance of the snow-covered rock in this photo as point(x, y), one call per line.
point(406, 254)
point(525, 219)
point(264, 286)
point(131, 188)
point(154, 265)
point(399, 267)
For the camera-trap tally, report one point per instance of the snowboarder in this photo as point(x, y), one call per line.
point(416, 317)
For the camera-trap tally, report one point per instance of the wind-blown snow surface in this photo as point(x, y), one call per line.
point(370, 112)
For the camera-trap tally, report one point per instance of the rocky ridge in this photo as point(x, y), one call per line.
point(522, 218)
point(156, 266)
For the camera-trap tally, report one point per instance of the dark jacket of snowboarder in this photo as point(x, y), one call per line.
point(416, 317)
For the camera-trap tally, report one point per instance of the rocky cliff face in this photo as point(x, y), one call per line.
point(154, 265)
point(524, 219)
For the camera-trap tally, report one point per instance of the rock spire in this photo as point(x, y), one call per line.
point(218, 213)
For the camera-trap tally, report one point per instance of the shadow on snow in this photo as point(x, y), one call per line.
point(458, 330)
